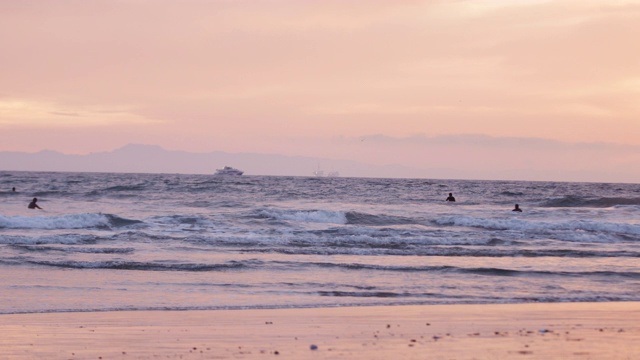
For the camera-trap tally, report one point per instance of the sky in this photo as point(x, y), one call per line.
point(526, 89)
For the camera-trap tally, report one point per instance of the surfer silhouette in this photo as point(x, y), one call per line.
point(451, 198)
point(517, 208)
point(33, 205)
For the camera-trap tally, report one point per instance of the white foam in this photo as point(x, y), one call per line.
point(529, 225)
point(66, 239)
point(70, 221)
point(313, 216)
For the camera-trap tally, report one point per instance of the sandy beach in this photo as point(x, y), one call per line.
point(526, 331)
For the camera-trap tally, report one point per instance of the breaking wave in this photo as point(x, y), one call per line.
point(336, 217)
point(601, 202)
point(313, 216)
point(70, 221)
point(526, 225)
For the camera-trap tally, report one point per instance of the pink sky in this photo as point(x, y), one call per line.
point(549, 85)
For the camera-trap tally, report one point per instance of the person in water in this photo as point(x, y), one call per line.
point(517, 208)
point(33, 205)
point(451, 198)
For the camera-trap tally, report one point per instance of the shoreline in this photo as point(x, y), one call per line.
point(600, 330)
point(311, 307)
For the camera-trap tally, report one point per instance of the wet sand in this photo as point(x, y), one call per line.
point(522, 331)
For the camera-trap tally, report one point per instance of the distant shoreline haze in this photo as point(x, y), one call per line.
point(137, 158)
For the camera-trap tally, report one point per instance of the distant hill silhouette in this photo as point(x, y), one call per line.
point(138, 158)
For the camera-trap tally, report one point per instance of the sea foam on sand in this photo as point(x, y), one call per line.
point(518, 331)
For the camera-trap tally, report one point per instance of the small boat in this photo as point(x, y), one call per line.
point(228, 170)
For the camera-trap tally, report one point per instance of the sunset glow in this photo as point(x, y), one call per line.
point(313, 78)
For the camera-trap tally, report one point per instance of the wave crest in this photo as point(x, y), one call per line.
point(69, 221)
point(578, 201)
point(357, 218)
point(314, 216)
point(542, 226)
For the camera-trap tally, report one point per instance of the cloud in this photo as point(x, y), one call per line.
point(62, 113)
point(15, 113)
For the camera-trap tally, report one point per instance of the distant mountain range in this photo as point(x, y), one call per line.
point(135, 158)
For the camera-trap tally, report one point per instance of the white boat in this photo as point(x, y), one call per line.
point(320, 173)
point(228, 170)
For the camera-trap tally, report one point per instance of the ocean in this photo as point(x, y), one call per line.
point(107, 241)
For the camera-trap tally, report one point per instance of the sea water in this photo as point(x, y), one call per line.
point(106, 241)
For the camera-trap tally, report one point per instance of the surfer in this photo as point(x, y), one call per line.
point(451, 198)
point(33, 205)
point(517, 208)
